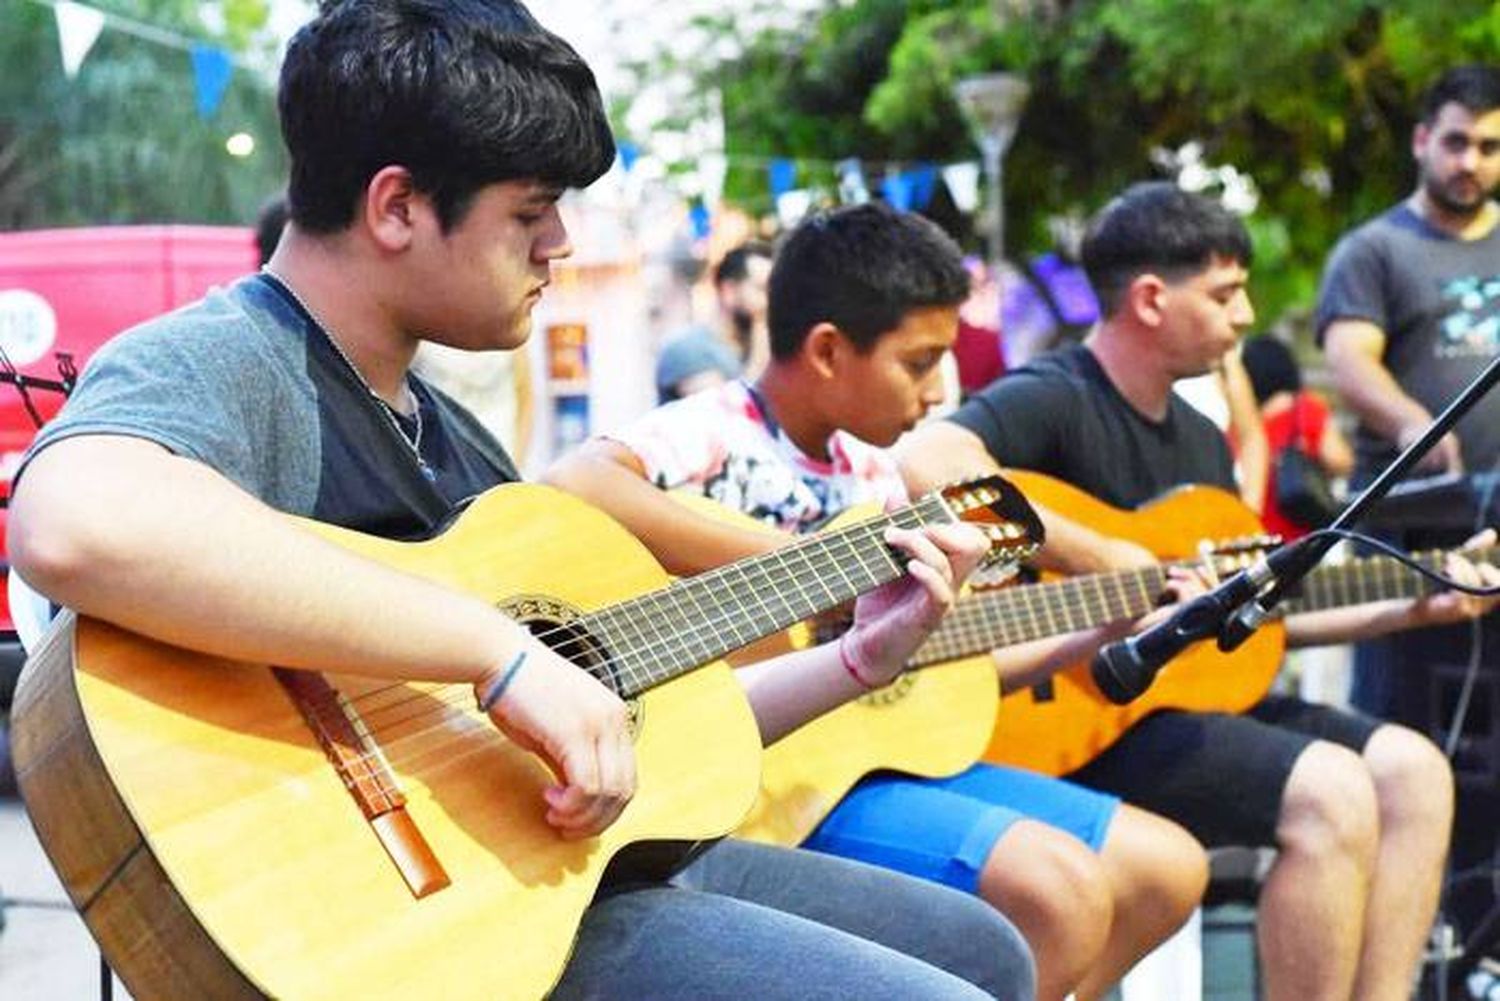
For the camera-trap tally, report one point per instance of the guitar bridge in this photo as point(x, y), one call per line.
point(366, 775)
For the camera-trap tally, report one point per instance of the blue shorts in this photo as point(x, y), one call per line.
point(944, 829)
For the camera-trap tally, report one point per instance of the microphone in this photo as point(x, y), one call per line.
point(1288, 565)
point(1124, 669)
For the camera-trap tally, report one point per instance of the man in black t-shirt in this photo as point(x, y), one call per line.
point(1359, 811)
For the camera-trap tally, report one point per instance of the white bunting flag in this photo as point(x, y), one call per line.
point(78, 28)
point(962, 180)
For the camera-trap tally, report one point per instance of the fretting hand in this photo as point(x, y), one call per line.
point(891, 622)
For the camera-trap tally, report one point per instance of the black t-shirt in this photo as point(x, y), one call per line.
point(1060, 415)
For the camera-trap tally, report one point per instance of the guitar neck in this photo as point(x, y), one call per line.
point(1371, 578)
point(1020, 614)
point(666, 633)
point(1012, 615)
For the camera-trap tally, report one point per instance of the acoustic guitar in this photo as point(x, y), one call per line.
point(235, 830)
point(1063, 725)
point(935, 723)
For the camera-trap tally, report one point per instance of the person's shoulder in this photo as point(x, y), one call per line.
point(1062, 371)
point(219, 325)
point(1378, 233)
point(1067, 368)
point(707, 414)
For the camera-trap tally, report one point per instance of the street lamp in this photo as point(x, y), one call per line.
point(991, 104)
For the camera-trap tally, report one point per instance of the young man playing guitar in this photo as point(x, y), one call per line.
point(863, 304)
point(1359, 811)
point(429, 144)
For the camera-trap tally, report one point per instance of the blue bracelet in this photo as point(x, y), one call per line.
point(496, 691)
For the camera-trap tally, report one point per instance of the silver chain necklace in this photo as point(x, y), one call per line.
point(413, 441)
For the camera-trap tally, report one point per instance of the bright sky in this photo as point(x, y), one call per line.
point(589, 25)
point(605, 32)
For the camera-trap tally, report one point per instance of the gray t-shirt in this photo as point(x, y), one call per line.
point(1438, 300)
point(246, 382)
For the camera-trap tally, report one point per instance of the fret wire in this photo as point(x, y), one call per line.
point(655, 655)
point(614, 630)
point(684, 627)
point(1097, 601)
point(749, 601)
point(1148, 599)
point(696, 588)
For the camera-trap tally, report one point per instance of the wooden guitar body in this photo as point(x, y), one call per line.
point(233, 830)
point(214, 851)
point(1068, 723)
point(930, 723)
point(927, 723)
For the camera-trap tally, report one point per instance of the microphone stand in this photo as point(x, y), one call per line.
point(1250, 616)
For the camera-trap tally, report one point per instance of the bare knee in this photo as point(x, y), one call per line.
point(1052, 886)
point(1329, 808)
point(1158, 869)
point(1413, 781)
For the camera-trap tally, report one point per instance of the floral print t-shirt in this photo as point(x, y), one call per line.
point(722, 444)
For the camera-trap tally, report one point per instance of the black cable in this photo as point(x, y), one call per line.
point(1407, 561)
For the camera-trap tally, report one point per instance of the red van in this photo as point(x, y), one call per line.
point(64, 292)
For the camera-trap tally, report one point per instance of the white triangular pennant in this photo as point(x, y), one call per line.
point(962, 180)
point(78, 28)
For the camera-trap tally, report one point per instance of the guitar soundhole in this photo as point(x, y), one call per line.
point(563, 629)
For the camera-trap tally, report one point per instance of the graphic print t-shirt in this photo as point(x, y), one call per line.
point(1438, 300)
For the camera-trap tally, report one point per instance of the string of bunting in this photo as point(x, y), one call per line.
point(79, 27)
point(903, 186)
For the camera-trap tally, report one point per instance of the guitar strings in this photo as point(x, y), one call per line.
point(441, 699)
point(973, 625)
point(707, 627)
point(446, 699)
point(839, 544)
point(848, 539)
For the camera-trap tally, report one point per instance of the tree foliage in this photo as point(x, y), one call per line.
point(122, 141)
point(1314, 101)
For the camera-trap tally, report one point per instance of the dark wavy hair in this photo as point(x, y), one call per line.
point(462, 93)
point(861, 268)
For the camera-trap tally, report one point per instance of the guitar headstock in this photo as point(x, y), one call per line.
point(997, 509)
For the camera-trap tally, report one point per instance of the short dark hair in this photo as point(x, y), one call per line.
point(861, 268)
point(735, 265)
point(1475, 87)
point(1271, 366)
point(269, 222)
point(462, 93)
point(1157, 228)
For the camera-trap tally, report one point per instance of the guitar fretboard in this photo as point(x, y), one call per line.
point(660, 635)
point(1012, 615)
point(1374, 578)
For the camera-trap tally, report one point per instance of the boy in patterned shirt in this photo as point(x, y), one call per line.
point(864, 303)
